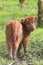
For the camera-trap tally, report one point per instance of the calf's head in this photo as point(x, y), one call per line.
point(29, 23)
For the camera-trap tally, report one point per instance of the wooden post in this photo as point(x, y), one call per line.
point(40, 13)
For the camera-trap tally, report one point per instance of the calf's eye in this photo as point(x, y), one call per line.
point(27, 23)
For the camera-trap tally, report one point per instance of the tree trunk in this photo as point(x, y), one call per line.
point(40, 13)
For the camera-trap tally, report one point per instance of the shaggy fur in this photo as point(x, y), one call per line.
point(17, 34)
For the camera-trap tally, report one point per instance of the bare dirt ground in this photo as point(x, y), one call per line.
point(22, 61)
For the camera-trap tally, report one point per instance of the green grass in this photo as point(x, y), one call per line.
point(38, 62)
point(12, 10)
point(33, 47)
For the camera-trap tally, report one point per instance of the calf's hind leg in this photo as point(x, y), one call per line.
point(9, 45)
point(14, 49)
point(9, 41)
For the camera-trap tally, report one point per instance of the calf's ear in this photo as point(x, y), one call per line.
point(36, 18)
point(22, 21)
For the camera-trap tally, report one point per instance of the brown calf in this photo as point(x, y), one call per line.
point(17, 33)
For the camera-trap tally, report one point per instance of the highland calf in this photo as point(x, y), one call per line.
point(17, 34)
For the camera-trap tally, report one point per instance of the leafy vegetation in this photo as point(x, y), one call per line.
point(36, 43)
